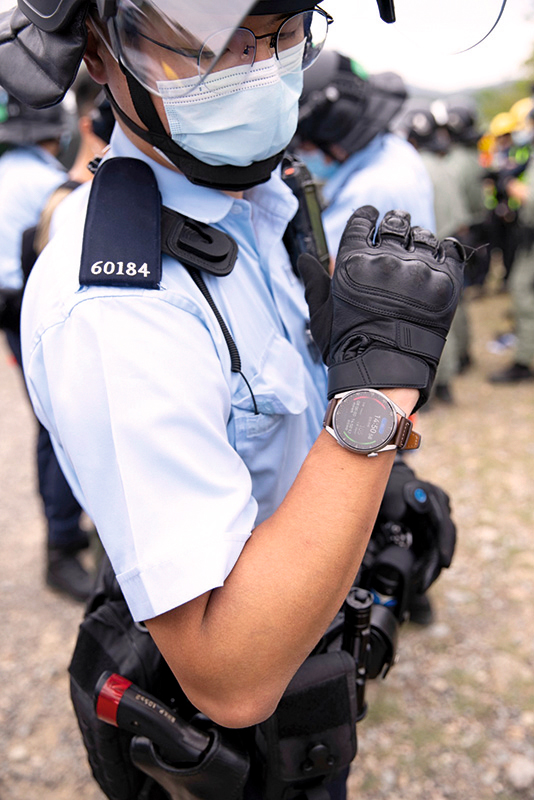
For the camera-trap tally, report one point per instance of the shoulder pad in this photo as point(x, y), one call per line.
point(127, 229)
point(122, 235)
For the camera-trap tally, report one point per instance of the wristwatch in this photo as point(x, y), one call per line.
point(367, 421)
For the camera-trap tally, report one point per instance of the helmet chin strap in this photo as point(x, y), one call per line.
point(224, 177)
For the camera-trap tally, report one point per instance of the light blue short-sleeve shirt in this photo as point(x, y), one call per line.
point(28, 175)
point(158, 438)
point(388, 174)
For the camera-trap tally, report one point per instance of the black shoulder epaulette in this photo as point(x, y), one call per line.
point(127, 229)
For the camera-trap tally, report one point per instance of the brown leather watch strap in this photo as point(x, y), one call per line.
point(329, 413)
point(414, 440)
point(406, 438)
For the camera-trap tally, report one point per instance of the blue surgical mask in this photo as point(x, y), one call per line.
point(228, 120)
point(321, 167)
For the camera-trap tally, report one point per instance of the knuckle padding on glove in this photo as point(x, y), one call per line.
point(425, 237)
point(395, 223)
point(360, 226)
point(360, 280)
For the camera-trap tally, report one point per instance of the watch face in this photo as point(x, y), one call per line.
point(364, 421)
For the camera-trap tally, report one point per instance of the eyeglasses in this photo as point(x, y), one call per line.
point(156, 49)
point(307, 27)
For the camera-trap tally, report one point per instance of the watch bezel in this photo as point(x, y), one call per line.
point(334, 429)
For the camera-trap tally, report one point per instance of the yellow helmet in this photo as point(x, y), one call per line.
point(502, 123)
point(520, 111)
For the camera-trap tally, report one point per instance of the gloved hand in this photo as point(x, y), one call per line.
point(383, 319)
point(422, 509)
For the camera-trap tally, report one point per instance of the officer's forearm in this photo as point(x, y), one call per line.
point(234, 650)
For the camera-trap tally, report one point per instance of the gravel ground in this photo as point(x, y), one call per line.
point(453, 720)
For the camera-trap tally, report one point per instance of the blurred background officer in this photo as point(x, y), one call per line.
point(94, 125)
point(464, 162)
point(343, 137)
point(29, 172)
point(426, 129)
point(508, 160)
point(521, 281)
point(32, 183)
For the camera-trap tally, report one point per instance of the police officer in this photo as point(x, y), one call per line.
point(343, 136)
point(234, 523)
point(519, 192)
point(464, 162)
point(94, 122)
point(508, 161)
point(522, 286)
point(29, 174)
point(426, 128)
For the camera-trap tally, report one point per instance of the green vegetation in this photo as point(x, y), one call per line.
point(493, 100)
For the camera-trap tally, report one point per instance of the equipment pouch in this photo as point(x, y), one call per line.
point(311, 737)
point(109, 639)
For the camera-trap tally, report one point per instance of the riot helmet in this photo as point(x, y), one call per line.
point(214, 65)
point(462, 122)
point(22, 125)
point(420, 126)
point(205, 48)
point(342, 105)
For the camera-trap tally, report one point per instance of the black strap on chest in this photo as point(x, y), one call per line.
point(127, 229)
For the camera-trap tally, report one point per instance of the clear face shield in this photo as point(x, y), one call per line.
point(447, 26)
point(157, 49)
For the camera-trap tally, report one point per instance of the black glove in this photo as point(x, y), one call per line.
point(423, 512)
point(383, 319)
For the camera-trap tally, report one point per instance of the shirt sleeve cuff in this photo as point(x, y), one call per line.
point(167, 585)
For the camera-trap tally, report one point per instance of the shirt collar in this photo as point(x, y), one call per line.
point(177, 192)
point(200, 202)
point(274, 198)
